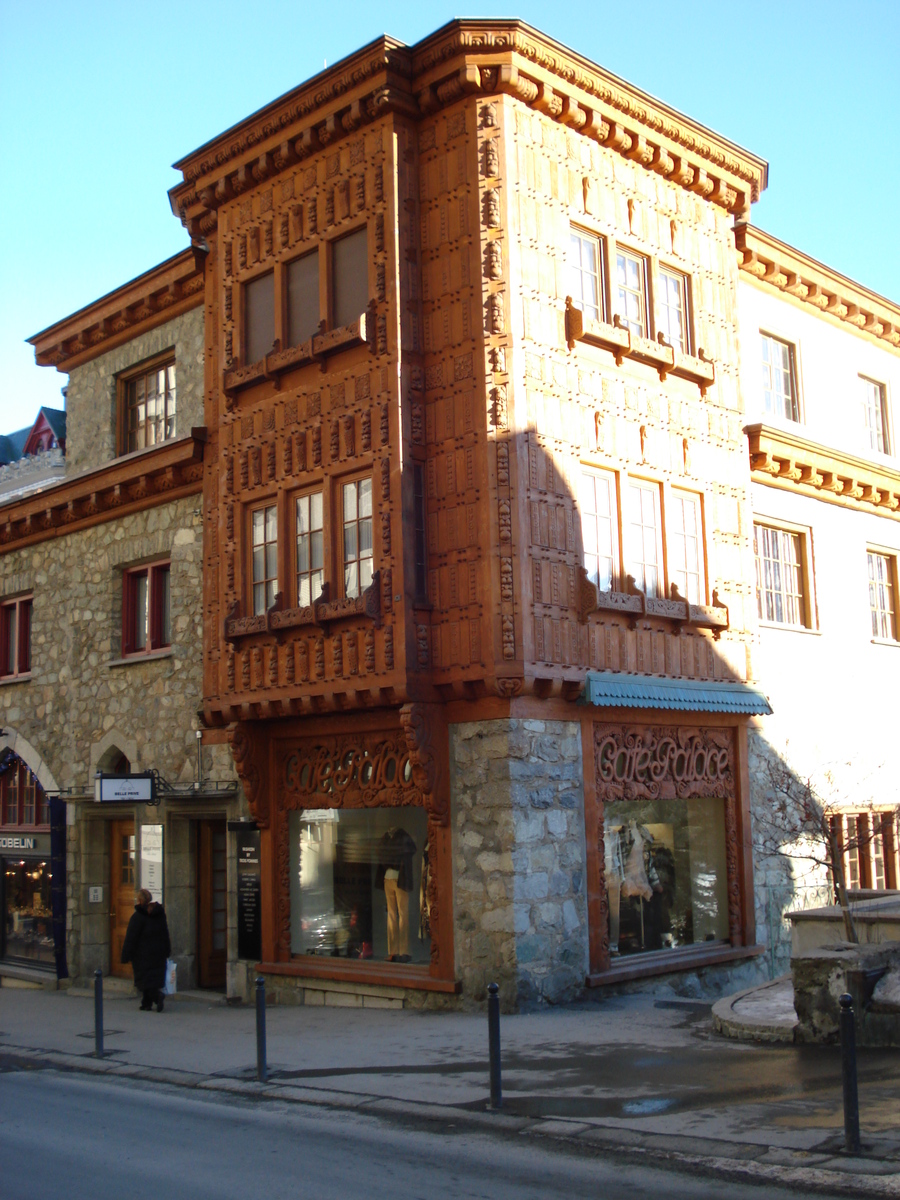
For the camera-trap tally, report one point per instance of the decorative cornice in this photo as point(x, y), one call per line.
point(136, 481)
point(151, 299)
point(489, 57)
point(771, 262)
point(785, 459)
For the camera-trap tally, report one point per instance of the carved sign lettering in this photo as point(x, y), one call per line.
point(655, 762)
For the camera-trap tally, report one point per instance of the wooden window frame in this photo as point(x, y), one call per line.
point(602, 248)
point(866, 382)
point(340, 235)
point(313, 489)
point(594, 471)
point(18, 667)
point(630, 482)
point(864, 851)
point(41, 807)
point(658, 269)
point(797, 417)
point(341, 561)
point(124, 380)
point(894, 583)
point(646, 290)
point(807, 574)
point(670, 496)
point(263, 506)
point(156, 641)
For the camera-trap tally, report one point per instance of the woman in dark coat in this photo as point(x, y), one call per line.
point(147, 947)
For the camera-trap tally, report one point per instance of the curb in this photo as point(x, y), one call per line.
point(732, 1025)
point(814, 1171)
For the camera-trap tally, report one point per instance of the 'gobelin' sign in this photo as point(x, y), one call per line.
point(652, 761)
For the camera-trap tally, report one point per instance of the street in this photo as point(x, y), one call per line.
point(88, 1139)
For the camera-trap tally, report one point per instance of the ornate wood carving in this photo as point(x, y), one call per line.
point(665, 762)
point(249, 764)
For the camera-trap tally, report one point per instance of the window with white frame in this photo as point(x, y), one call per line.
point(874, 414)
point(883, 594)
point(643, 537)
point(631, 282)
point(264, 554)
point(310, 547)
point(779, 378)
point(599, 528)
point(585, 265)
point(684, 531)
point(357, 536)
point(672, 309)
point(781, 593)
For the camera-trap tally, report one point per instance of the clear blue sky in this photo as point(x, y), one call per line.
point(98, 99)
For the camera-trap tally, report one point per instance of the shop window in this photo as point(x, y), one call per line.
point(357, 536)
point(883, 594)
point(302, 284)
point(310, 548)
point(23, 801)
point(15, 637)
point(673, 309)
point(631, 282)
point(599, 528)
point(259, 317)
point(264, 555)
point(644, 537)
point(148, 406)
point(349, 278)
point(359, 884)
point(867, 844)
point(585, 273)
point(779, 378)
point(420, 543)
point(781, 576)
point(684, 530)
point(29, 917)
point(666, 874)
point(146, 609)
point(874, 406)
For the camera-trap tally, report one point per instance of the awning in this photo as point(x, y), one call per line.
point(616, 689)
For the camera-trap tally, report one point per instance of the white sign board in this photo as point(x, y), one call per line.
point(152, 860)
point(134, 789)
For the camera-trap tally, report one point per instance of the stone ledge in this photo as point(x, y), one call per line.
point(759, 1014)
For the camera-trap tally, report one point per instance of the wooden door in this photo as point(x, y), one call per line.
point(212, 902)
point(121, 891)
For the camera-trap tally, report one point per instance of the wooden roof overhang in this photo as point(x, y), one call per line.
point(486, 57)
point(163, 292)
point(774, 263)
point(129, 484)
point(783, 458)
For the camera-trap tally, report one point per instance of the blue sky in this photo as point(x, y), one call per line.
point(98, 99)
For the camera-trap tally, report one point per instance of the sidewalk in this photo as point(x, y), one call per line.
point(637, 1073)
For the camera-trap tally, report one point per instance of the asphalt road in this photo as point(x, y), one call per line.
point(66, 1136)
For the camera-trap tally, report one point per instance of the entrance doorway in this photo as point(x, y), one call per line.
point(212, 904)
point(121, 891)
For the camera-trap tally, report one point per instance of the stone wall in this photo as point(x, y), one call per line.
point(91, 394)
point(518, 853)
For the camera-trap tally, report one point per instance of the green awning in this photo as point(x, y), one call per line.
point(616, 689)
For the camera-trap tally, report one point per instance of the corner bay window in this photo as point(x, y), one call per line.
point(15, 637)
point(149, 403)
point(357, 536)
point(264, 552)
point(146, 609)
point(359, 883)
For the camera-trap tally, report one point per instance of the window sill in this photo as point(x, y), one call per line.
point(664, 962)
point(805, 629)
point(388, 974)
point(885, 642)
point(6, 680)
point(319, 346)
point(131, 659)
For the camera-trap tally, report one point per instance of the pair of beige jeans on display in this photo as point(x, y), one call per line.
point(397, 918)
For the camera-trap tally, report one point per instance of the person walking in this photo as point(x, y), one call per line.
point(146, 947)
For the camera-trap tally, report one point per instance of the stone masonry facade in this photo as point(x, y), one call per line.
point(91, 398)
point(517, 805)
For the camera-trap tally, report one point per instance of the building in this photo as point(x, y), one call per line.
point(821, 376)
point(100, 661)
point(33, 457)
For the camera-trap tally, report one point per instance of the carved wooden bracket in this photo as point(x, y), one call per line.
point(250, 766)
point(635, 604)
point(320, 614)
point(426, 740)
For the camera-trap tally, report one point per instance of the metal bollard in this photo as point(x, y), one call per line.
point(848, 1072)
point(98, 1013)
point(494, 1044)
point(262, 1072)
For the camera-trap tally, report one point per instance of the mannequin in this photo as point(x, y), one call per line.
point(395, 876)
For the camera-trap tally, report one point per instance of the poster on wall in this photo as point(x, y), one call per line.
point(249, 940)
point(152, 860)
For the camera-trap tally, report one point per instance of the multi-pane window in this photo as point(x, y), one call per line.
point(22, 799)
point(419, 540)
point(868, 848)
point(779, 378)
point(683, 524)
point(350, 278)
point(585, 273)
point(631, 280)
point(643, 537)
point(302, 285)
point(780, 592)
point(15, 637)
point(264, 551)
point(310, 548)
point(357, 536)
point(599, 527)
point(146, 609)
point(150, 407)
point(259, 317)
point(875, 414)
point(882, 594)
point(672, 309)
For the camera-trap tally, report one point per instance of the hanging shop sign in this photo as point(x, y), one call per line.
point(152, 860)
point(128, 789)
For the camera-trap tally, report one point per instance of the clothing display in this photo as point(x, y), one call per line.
point(424, 900)
point(640, 882)
point(395, 853)
point(615, 877)
point(397, 921)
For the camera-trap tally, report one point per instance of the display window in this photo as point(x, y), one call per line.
point(29, 919)
point(360, 883)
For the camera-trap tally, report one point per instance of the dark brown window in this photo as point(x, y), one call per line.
point(350, 278)
point(22, 799)
point(259, 317)
point(146, 609)
point(15, 637)
point(149, 416)
point(302, 298)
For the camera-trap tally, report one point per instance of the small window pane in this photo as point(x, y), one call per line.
point(598, 528)
point(643, 537)
point(881, 596)
point(259, 317)
point(350, 278)
point(779, 392)
point(874, 415)
point(150, 405)
point(685, 549)
point(303, 298)
point(264, 562)
point(673, 308)
point(584, 273)
point(631, 277)
point(357, 536)
point(780, 596)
